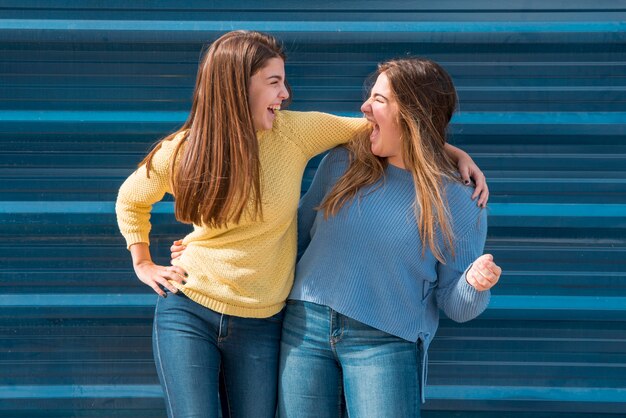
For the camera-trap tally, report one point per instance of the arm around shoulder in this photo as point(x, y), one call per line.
point(316, 132)
point(469, 170)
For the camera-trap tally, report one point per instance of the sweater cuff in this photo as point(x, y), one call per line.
point(477, 300)
point(135, 238)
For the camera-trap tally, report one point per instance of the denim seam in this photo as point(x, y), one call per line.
point(221, 338)
point(341, 396)
point(230, 410)
point(330, 331)
point(158, 353)
point(418, 372)
point(335, 339)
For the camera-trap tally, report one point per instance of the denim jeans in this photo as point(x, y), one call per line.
point(327, 358)
point(199, 352)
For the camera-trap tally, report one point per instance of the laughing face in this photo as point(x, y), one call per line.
point(266, 93)
point(381, 110)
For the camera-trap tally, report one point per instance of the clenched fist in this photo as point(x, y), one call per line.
point(484, 273)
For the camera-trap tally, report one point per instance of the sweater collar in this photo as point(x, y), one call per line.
point(393, 172)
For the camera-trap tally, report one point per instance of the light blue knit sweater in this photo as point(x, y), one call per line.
point(366, 262)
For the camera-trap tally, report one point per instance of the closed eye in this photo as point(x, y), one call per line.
point(379, 98)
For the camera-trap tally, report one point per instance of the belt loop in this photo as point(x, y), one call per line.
point(219, 334)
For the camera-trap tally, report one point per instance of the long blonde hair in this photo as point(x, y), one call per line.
point(216, 180)
point(426, 100)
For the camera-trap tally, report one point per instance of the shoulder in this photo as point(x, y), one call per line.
point(338, 154)
point(464, 212)
point(291, 119)
point(162, 157)
point(294, 120)
point(332, 167)
point(175, 140)
point(459, 197)
point(337, 158)
point(169, 144)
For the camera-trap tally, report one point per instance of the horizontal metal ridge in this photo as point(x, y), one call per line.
point(466, 392)
point(77, 300)
point(328, 6)
point(504, 302)
point(495, 209)
point(387, 27)
point(460, 118)
point(573, 394)
point(326, 32)
point(79, 391)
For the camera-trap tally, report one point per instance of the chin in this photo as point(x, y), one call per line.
point(263, 127)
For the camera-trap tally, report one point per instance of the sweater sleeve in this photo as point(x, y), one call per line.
point(139, 192)
point(316, 132)
point(459, 300)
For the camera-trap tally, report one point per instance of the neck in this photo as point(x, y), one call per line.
point(396, 161)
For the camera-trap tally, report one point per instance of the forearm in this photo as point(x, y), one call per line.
point(140, 253)
point(319, 131)
point(455, 153)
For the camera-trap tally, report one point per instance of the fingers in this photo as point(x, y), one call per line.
point(177, 249)
point(482, 190)
point(157, 289)
point(176, 274)
point(484, 273)
point(465, 175)
point(158, 283)
point(163, 279)
point(160, 278)
point(167, 275)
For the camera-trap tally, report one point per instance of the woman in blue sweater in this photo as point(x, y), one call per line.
point(388, 235)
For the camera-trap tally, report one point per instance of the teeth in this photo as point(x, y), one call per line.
point(274, 107)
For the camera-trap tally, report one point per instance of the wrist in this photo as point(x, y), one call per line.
point(142, 263)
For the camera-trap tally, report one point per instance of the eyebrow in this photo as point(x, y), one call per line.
point(380, 95)
point(278, 77)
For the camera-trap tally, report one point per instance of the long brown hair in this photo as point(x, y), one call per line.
point(216, 179)
point(426, 100)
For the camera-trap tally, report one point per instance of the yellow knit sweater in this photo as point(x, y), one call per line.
point(247, 269)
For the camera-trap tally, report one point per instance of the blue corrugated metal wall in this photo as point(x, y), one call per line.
point(86, 87)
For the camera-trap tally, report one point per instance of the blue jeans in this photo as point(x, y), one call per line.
point(327, 358)
point(199, 352)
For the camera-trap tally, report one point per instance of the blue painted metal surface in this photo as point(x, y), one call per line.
point(87, 88)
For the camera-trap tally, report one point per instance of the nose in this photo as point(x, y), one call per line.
point(284, 93)
point(366, 107)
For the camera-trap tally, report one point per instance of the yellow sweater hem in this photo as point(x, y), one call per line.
point(229, 309)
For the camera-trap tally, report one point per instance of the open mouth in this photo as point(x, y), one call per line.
point(273, 108)
point(375, 131)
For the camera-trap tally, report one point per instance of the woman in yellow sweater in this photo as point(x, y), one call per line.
point(235, 169)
